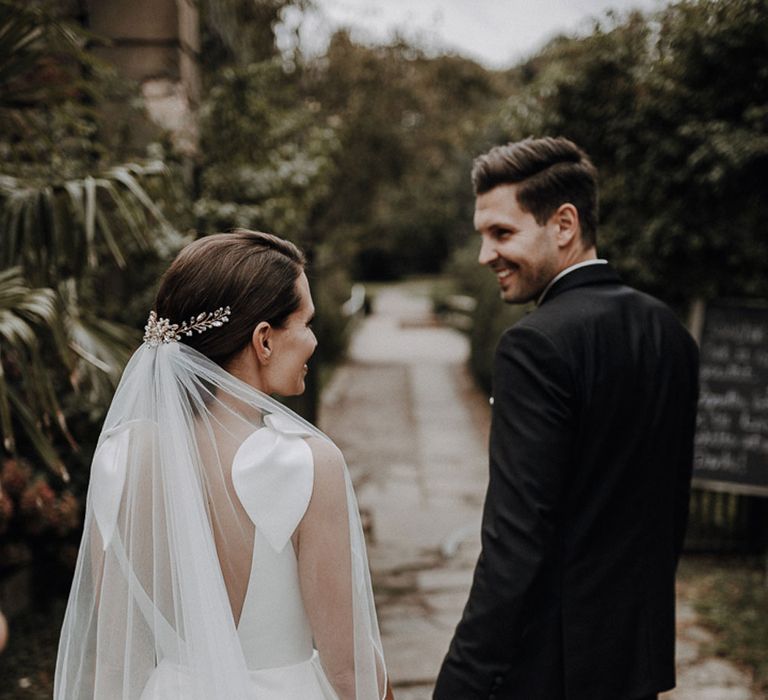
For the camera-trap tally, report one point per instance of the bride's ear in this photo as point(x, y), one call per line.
point(261, 340)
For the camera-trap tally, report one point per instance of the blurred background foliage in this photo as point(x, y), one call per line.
point(361, 155)
point(82, 221)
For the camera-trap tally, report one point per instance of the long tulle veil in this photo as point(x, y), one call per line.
point(160, 572)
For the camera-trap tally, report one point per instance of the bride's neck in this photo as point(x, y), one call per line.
point(247, 369)
point(230, 410)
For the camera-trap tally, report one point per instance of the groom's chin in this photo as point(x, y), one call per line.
point(511, 296)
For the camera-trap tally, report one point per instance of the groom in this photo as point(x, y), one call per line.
point(594, 407)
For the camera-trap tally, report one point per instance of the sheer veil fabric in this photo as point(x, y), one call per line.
point(188, 585)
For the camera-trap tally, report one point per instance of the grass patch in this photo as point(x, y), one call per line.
point(731, 597)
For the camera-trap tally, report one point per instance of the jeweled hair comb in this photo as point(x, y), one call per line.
point(161, 330)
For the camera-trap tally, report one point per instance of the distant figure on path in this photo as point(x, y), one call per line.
point(594, 404)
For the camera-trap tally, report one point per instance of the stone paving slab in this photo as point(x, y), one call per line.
point(712, 693)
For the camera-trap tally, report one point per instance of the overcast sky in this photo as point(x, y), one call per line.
point(497, 33)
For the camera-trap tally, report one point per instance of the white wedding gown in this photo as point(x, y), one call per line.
point(274, 633)
point(272, 473)
point(187, 584)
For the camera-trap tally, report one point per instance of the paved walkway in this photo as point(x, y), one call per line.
point(413, 429)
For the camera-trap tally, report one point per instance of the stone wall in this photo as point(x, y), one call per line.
point(157, 44)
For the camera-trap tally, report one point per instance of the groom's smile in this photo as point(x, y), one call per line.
point(504, 273)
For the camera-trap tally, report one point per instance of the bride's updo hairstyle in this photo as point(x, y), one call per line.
point(251, 272)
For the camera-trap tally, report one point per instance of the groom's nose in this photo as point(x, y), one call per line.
point(487, 251)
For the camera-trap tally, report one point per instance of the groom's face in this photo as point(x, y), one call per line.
point(523, 254)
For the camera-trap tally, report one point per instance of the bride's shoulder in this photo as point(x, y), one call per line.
point(327, 458)
point(329, 473)
point(326, 511)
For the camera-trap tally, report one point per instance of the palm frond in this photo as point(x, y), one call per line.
point(101, 347)
point(128, 175)
point(40, 442)
point(23, 312)
point(72, 224)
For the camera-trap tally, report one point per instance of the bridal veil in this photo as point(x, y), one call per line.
point(165, 561)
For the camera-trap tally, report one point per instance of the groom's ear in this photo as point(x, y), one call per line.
point(566, 222)
point(261, 340)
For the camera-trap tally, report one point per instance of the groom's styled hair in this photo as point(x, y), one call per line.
point(549, 172)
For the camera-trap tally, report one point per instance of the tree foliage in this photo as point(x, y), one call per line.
point(239, 33)
point(71, 215)
point(365, 148)
point(266, 157)
point(407, 124)
point(361, 156)
point(358, 155)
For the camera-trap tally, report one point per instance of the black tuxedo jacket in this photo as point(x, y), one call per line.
point(591, 445)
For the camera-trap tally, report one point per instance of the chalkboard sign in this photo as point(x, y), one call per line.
point(731, 449)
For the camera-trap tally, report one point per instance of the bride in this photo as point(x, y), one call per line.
point(222, 556)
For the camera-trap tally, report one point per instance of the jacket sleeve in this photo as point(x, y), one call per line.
point(532, 436)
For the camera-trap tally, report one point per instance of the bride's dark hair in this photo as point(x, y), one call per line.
point(253, 273)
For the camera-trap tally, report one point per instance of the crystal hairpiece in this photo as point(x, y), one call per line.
point(161, 330)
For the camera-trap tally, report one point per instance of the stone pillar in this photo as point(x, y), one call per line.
point(157, 44)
